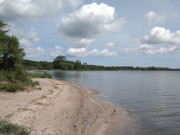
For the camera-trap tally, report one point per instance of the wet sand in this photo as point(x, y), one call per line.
point(60, 108)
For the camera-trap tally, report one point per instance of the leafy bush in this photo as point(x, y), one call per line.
point(14, 76)
point(11, 129)
point(12, 73)
point(15, 80)
point(2, 75)
point(11, 87)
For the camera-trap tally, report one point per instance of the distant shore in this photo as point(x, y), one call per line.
point(59, 107)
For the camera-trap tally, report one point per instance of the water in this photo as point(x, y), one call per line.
point(154, 96)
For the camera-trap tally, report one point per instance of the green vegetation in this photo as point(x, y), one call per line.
point(13, 81)
point(11, 129)
point(12, 74)
point(35, 75)
point(10, 53)
point(11, 87)
point(61, 63)
point(34, 65)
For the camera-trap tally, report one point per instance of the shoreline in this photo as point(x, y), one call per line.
point(60, 108)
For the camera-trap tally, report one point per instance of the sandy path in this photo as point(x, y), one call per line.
point(59, 108)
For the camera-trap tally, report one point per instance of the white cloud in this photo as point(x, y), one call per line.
point(82, 26)
point(34, 52)
point(55, 54)
point(115, 26)
point(30, 39)
point(33, 9)
point(158, 41)
point(83, 52)
point(104, 52)
point(145, 49)
point(154, 18)
point(109, 44)
point(80, 43)
point(58, 47)
point(89, 21)
point(84, 42)
point(77, 52)
point(72, 3)
point(13, 30)
point(151, 50)
point(160, 35)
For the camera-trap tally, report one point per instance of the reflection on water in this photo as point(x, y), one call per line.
point(153, 96)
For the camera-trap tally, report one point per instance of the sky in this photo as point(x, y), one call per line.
point(101, 32)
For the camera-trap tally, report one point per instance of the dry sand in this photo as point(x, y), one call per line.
point(59, 108)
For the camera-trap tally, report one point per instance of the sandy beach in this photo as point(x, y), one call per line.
point(59, 108)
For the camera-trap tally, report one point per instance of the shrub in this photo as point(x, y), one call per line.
point(2, 76)
point(11, 87)
point(11, 129)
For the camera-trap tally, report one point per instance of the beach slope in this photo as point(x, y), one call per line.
point(59, 107)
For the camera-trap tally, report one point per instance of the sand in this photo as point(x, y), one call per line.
point(59, 108)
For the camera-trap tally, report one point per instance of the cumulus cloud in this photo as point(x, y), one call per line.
point(72, 3)
point(89, 21)
point(13, 30)
point(109, 44)
point(158, 41)
point(80, 43)
point(160, 35)
point(83, 52)
point(104, 52)
point(145, 49)
point(115, 26)
point(30, 39)
point(154, 18)
point(150, 50)
point(34, 52)
point(33, 9)
point(56, 52)
point(83, 25)
point(77, 52)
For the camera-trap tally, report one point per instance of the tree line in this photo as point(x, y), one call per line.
point(61, 63)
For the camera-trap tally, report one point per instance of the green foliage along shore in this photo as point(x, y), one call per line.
point(61, 63)
point(11, 56)
point(12, 74)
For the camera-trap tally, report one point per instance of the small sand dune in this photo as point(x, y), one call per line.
point(59, 108)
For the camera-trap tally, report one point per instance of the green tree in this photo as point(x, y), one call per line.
point(84, 66)
point(10, 52)
point(77, 65)
point(11, 56)
point(59, 62)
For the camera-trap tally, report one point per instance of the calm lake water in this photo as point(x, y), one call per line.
point(153, 96)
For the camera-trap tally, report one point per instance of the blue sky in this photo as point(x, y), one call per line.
point(102, 32)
